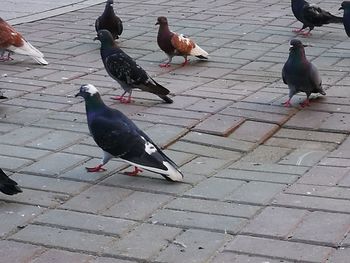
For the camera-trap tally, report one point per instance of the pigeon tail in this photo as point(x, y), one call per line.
point(198, 52)
point(166, 99)
point(10, 189)
point(30, 50)
point(336, 19)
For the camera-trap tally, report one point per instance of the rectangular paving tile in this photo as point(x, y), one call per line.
point(11, 251)
point(217, 124)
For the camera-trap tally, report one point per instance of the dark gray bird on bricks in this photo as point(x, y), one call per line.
point(299, 74)
point(346, 16)
point(311, 16)
point(108, 20)
point(119, 137)
point(7, 185)
point(125, 71)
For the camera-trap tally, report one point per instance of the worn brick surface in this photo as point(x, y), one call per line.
point(279, 176)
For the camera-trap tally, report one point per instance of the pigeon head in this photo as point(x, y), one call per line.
point(109, 2)
point(345, 5)
point(296, 44)
point(105, 37)
point(87, 91)
point(162, 20)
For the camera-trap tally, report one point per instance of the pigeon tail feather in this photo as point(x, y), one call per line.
point(10, 189)
point(198, 52)
point(166, 99)
point(336, 19)
point(30, 50)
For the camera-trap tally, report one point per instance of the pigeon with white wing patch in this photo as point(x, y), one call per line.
point(119, 137)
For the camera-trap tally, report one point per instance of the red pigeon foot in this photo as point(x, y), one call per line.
point(135, 172)
point(298, 30)
point(164, 65)
point(305, 103)
point(287, 103)
point(185, 62)
point(97, 168)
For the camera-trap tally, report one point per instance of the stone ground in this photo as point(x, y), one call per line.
point(263, 183)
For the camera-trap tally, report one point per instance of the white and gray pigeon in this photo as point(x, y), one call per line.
point(311, 15)
point(7, 185)
point(108, 20)
point(126, 71)
point(119, 137)
point(299, 74)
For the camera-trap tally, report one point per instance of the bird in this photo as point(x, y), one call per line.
point(300, 74)
point(346, 16)
point(311, 15)
point(119, 137)
point(7, 185)
point(13, 42)
point(126, 71)
point(174, 44)
point(108, 20)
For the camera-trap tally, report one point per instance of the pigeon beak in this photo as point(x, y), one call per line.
point(341, 8)
point(79, 94)
point(96, 38)
point(156, 23)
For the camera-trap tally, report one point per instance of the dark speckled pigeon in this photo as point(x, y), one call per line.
point(108, 20)
point(124, 69)
point(119, 137)
point(299, 74)
point(174, 44)
point(346, 17)
point(7, 185)
point(311, 16)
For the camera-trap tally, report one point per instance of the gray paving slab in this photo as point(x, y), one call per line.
point(263, 183)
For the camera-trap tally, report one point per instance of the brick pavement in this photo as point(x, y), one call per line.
point(263, 183)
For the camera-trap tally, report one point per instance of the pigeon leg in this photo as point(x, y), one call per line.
point(135, 172)
point(305, 103)
point(4, 58)
point(287, 103)
point(306, 34)
point(126, 101)
point(167, 64)
point(298, 31)
point(120, 98)
point(185, 62)
point(97, 168)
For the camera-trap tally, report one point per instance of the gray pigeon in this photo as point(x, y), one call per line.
point(124, 69)
point(311, 16)
point(174, 44)
point(7, 185)
point(108, 20)
point(119, 137)
point(346, 17)
point(300, 74)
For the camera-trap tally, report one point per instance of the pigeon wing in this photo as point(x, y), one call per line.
point(123, 68)
point(315, 15)
point(182, 44)
point(315, 80)
point(9, 36)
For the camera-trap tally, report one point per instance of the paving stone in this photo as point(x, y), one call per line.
point(23, 135)
point(256, 132)
point(109, 260)
point(312, 228)
point(59, 256)
point(192, 246)
point(54, 164)
point(208, 188)
point(275, 222)
point(13, 215)
point(266, 154)
point(203, 166)
point(256, 192)
point(310, 135)
point(279, 249)
point(300, 144)
point(229, 256)
point(97, 198)
point(93, 223)
point(23, 152)
point(11, 251)
point(137, 206)
point(164, 135)
point(61, 238)
point(305, 157)
point(186, 219)
point(339, 256)
point(218, 141)
point(141, 248)
point(321, 191)
point(217, 124)
point(307, 119)
point(213, 207)
point(311, 202)
point(270, 167)
point(324, 175)
point(257, 176)
point(13, 163)
point(209, 105)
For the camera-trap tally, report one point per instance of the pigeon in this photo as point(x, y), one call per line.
point(7, 185)
point(311, 16)
point(174, 44)
point(124, 69)
point(346, 17)
point(108, 20)
point(119, 137)
point(13, 42)
point(300, 74)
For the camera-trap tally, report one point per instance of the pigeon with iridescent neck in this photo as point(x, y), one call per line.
point(108, 20)
point(299, 74)
point(119, 137)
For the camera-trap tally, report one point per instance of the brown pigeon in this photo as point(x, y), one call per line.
point(174, 44)
point(13, 42)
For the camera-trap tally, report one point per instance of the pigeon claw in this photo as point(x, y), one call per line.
point(185, 62)
point(97, 168)
point(135, 172)
point(305, 103)
point(164, 65)
point(287, 103)
point(122, 99)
